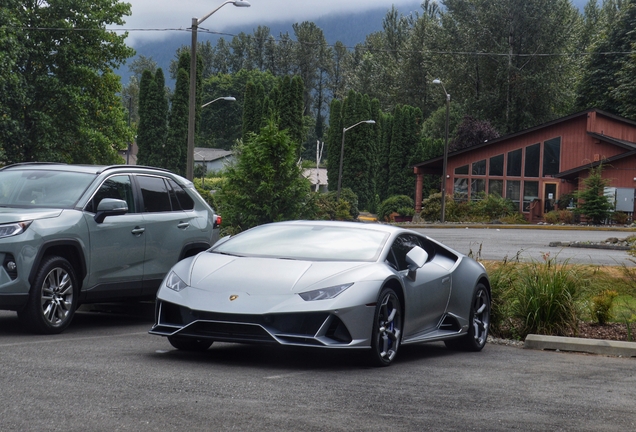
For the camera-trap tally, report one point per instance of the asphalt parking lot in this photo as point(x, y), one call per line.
point(531, 244)
point(106, 373)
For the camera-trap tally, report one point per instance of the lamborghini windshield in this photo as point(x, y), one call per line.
point(307, 242)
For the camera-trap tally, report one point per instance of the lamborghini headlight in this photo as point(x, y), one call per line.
point(324, 293)
point(175, 283)
point(13, 229)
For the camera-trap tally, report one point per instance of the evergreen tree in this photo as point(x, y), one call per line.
point(333, 143)
point(158, 157)
point(252, 109)
point(147, 90)
point(175, 153)
point(404, 141)
point(265, 184)
point(593, 202)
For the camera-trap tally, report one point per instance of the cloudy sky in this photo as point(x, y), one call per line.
point(170, 14)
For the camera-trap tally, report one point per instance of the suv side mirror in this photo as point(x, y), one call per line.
point(416, 258)
point(110, 207)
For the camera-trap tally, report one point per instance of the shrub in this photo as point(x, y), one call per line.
point(566, 216)
point(551, 217)
point(326, 207)
point(602, 306)
point(502, 277)
point(432, 208)
point(493, 207)
point(544, 300)
point(620, 218)
point(392, 205)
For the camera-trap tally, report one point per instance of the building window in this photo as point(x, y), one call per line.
point(479, 167)
point(495, 187)
point(462, 170)
point(496, 165)
point(531, 166)
point(551, 156)
point(477, 189)
point(530, 193)
point(460, 189)
point(513, 189)
point(514, 163)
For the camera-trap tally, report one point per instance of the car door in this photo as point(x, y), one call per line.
point(168, 229)
point(427, 293)
point(117, 245)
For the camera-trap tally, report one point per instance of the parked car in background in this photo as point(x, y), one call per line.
point(328, 285)
point(73, 234)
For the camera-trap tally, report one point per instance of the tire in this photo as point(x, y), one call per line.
point(189, 344)
point(386, 334)
point(52, 299)
point(479, 322)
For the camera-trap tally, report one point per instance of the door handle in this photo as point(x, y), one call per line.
point(137, 231)
point(183, 225)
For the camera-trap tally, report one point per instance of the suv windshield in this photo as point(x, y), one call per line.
point(40, 188)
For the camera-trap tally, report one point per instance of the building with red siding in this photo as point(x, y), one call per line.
point(535, 167)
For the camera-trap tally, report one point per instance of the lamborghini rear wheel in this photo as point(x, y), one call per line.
point(189, 344)
point(387, 328)
point(479, 322)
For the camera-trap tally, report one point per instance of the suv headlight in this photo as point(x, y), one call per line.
point(175, 283)
point(12, 229)
point(324, 293)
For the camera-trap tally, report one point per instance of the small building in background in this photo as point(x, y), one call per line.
point(318, 178)
point(213, 160)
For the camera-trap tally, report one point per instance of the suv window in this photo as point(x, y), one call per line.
point(118, 187)
point(154, 192)
point(183, 199)
point(42, 188)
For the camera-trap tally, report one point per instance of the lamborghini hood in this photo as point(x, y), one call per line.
point(267, 276)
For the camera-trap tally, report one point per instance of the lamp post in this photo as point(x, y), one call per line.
point(344, 130)
point(193, 83)
point(227, 98)
point(443, 216)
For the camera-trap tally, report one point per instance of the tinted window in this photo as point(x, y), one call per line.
point(401, 246)
point(530, 193)
point(117, 187)
point(477, 188)
point(183, 199)
point(551, 156)
point(513, 191)
point(155, 194)
point(479, 167)
point(514, 163)
point(531, 166)
point(495, 187)
point(496, 165)
point(462, 170)
point(460, 189)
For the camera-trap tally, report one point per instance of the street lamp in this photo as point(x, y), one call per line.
point(342, 153)
point(193, 82)
point(443, 217)
point(227, 98)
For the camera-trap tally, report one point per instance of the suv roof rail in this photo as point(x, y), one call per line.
point(109, 167)
point(32, 163)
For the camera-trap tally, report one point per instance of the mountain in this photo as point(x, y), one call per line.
point(350, 29)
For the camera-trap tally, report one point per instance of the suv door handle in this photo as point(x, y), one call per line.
point(138, 231)
point(183, 225)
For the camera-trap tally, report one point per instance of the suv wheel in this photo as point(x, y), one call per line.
point(53, 299)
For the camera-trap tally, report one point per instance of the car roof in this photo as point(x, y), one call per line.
point(348, 224)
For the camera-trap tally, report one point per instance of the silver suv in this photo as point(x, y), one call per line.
point(72, 234)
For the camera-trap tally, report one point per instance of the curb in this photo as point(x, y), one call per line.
point(589, 346)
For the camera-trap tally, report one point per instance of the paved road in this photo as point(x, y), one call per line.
point(106, 373)
point(497, 244)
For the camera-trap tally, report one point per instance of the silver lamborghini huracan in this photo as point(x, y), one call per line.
point(324, 284)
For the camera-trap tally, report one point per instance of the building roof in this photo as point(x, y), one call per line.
point(204, 154)
point(436, 163)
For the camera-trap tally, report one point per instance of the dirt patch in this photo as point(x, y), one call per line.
point(611, 331)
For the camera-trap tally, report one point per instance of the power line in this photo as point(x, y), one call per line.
point(354, 48)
